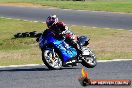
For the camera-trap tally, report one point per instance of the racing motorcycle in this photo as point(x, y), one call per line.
point(56, 53)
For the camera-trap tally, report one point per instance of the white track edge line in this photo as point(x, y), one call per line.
point(22, 19)
point(30, 65)
point(26, 65)
point(114, 60)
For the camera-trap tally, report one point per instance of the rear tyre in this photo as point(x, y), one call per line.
point(52, 61)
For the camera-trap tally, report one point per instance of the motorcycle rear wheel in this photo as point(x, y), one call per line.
point(53, 62)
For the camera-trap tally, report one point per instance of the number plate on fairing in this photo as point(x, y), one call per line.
point(85, 51)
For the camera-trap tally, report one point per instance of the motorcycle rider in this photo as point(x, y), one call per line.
point(60, 30)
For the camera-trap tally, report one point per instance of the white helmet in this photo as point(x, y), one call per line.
point(52, 19)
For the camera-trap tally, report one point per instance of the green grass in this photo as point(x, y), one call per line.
point(21, 50)
point(107, 43)
point(93, 5)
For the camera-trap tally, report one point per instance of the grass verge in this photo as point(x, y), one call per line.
point(107, 43)
point(93, 5)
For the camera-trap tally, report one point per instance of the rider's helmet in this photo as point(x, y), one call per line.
point(52, 19)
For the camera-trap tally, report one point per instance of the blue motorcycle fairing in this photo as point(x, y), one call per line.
point(67, 51)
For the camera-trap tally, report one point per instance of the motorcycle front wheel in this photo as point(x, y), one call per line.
point(51, 59)
point(89, 61)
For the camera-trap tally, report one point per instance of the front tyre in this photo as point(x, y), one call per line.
point(89, 61)
point(51, 59)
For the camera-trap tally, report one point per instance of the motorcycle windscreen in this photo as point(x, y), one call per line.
point(66, 51)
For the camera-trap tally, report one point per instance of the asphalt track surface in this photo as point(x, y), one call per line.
point(41, 77)
point(74, 17)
